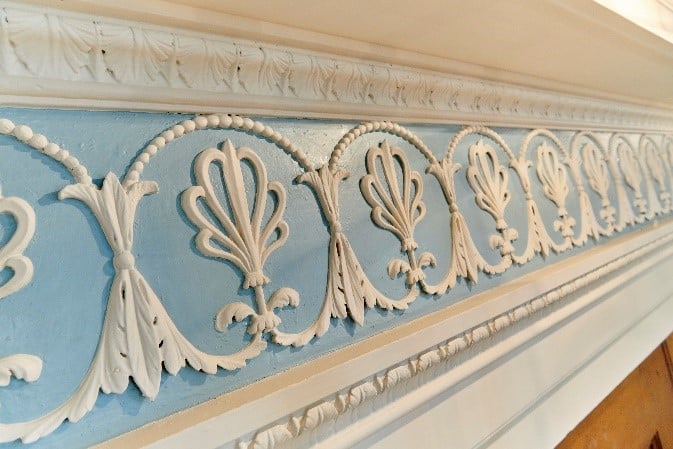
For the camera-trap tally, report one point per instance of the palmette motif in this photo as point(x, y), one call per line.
point(553, 176)
point(348, 289)
point(12, 253)
point(597, 172)
point(488, 178)
point(241, 239)
point(19, 366)
point(626, 215)
point(589, 226)
point(628, 161)
point(660, 202)
point(396, 207)
point(139, 339)
point(466, 260)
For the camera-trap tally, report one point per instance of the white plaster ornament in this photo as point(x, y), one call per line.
point(139, 339)
point(153, 67)
point(397, 207)
point(241, 239)
point(19, 366)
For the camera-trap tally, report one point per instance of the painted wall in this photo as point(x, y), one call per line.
point(59, 315)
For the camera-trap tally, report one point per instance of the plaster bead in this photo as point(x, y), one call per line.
point(201, 122)
point(6, 126)
point(79, 172)
point(51, 149)
point(257, 127)
point(23, 133)
point(178, 130)
point(38, 141)
point(159, 142)
point(71, 162)
point(189, 125)
point(62, 155)
point(225, 121)
point(213, 120)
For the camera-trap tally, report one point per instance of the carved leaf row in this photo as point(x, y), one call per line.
point(58, 46)
point(239, 219)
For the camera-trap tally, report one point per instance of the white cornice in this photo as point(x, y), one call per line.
point(61, 59)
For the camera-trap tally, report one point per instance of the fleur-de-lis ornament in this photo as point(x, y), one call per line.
point(240, 235)
point(397, 206)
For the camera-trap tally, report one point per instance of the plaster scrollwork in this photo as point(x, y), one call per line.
point(647, 158)
point(398, 207)
point(139, 340)
point(664, 153)
point(596, 170)
point(628, 161)
point(19, 366)
point(667, 152)
point(25, 366)
point(12, 253)
point(400, 377)
point(539, 240)
point(348, 289)
point(488, 178)
point(649, 151)
point(131, 57)
point(589, 226)
point(466, 260)
point(553, 176)
point(241, 238)
point(626, 215)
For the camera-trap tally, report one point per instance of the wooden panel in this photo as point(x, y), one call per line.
point(637, 414)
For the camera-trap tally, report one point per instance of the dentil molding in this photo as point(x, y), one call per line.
point(57, 58)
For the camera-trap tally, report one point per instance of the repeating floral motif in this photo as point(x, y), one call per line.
point(554, 180)
point(488, 178)
point(63, 47)
point(631, 168)
point(239, 219)
point(19, 366)
point(242, 237)
point(397, 208)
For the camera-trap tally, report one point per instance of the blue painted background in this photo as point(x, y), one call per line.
point(59, 315)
